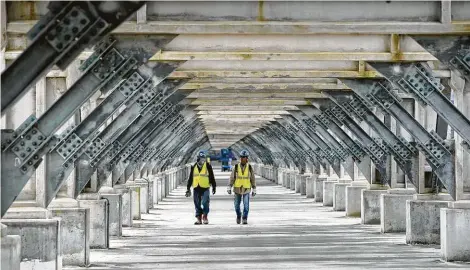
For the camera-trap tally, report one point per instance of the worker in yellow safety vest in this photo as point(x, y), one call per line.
point(201, 178)
point(243, 181)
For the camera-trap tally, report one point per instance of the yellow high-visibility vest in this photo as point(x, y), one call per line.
point(243, 178)
point(201, 178)
point(208, 160)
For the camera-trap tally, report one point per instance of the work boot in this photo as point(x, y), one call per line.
point(245, 221)
point(204, 219)
point(239, 220)
point(198, 221)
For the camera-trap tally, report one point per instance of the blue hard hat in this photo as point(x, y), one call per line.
point(244, 153)
point(201, 154)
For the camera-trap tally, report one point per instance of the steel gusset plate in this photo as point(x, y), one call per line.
point(418, 79)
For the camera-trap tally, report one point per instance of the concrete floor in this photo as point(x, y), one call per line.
point(285, 231)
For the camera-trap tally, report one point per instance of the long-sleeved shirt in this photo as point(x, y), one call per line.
point(233, 176)
point(211, 177)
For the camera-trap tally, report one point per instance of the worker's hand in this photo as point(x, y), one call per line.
point(229, 190)
point(253, 192)
point(213, 191)
point(188, 193)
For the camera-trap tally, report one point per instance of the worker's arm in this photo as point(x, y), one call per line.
point(252, 178)
point(232, 176)
point(190, 179)
point(211, 176)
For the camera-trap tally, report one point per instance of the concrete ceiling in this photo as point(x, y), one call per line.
point(251, 61)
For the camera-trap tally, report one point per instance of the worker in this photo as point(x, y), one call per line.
point(243, 182)
point(201, 178)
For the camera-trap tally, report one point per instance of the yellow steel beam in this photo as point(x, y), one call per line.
point(286, 74)
point(274, 27)
point(273, 56)
point(263, 86)
point(241, 102)
point(230, 112)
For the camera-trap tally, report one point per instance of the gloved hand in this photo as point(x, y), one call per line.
point(213, 191)
point(253, 192)
point(188, 193)
point(229, 190)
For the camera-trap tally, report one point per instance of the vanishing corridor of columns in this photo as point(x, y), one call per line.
point(358, 107)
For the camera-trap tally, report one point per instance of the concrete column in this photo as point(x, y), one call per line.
point(370, 206)
point(126, 205)
point(297, 182)
point(318, 187)
point(292, 180)
point(45, 251)
point(393, 209)
point(303, 184)
point(455, 231)
point(328, 185)
point(99, 218)
point(11, 248)
point(423, 216)
point(353, 198)
point(135, 201)
point(309, 185)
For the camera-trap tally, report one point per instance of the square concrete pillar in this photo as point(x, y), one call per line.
point(11, 250)
point(423, 221)
point(309, 183)
point(144, 195)
point(393, 210)
point(126, 205)
point(135, 202)
point(303, 184)
point(339, 196)
point(292, 177)
point(297, 183)
point(115, 212)
point(353, 199)
point(99, 226)
point(328, 192)
point(75, 235)
point(154, 192)
point(318, 187)
point(370, 206)
point(287, 178)
point(40, 242)
point(455, 231)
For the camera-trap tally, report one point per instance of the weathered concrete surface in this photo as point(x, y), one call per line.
point(370, 206)
point(423, 221)
point(339, 196)
point(115, 212)
point(74, 235)
point(11, 250)
point(328, 192)
point(286, 231)
point(455, 232)
point(99, 217)
point(318, 188)
point(40, 242)
point(353, 200)
point(393, 212)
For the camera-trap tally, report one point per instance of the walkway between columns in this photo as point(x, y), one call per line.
point(285, 231)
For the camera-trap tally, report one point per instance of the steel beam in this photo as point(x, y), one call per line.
point(404, 152)
point(22, 151)
point(58, 37)
point(418, 80)
point(437, 152)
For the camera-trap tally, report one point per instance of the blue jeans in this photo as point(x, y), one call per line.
point(201, 201)
point(246, 204)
